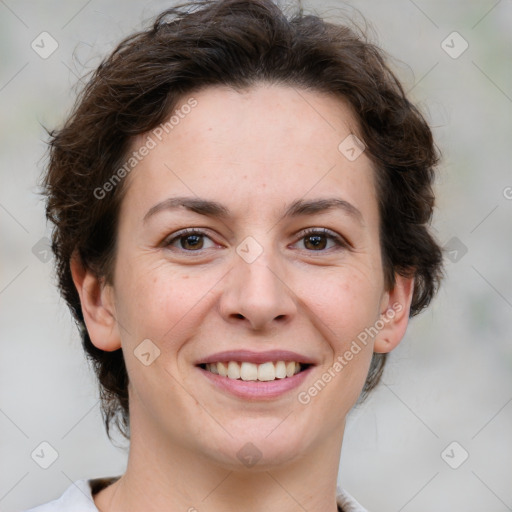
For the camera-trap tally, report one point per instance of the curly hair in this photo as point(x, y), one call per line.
point(237, 43)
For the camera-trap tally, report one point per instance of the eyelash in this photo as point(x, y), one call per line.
point(339, 241)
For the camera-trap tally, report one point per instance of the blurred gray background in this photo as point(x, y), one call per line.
point(436, 435)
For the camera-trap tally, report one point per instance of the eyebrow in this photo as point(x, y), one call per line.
point(217, 210)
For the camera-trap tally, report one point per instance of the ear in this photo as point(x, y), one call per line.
point(96, 299)
point(395, 308)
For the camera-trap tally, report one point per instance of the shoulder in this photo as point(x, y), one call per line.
point(78, 497)
point(347, 503)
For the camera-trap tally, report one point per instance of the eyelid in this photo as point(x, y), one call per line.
point(184, 232)
point(340, 241)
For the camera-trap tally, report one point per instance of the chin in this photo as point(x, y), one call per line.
point(260, 452)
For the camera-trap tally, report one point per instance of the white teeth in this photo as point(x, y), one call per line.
point(251, 372)
point(233, 370)
point(280, 370)
point(266, 371)
point(221, 368)
point(248, 371)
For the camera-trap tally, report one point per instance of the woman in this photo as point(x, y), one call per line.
point(241, 203)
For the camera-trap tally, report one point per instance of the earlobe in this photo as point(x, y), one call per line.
point(395, 315)
point(97, 306)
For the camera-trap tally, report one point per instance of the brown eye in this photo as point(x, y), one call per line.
point(192, 241)
point(188, 240)
point(317, 239)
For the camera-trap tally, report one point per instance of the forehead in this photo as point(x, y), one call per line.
point(253, 147)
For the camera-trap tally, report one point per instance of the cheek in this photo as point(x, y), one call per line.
point(343, 304)
point(342, 307)
point(159, 303)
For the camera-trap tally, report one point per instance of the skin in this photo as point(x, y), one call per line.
point(255, 152)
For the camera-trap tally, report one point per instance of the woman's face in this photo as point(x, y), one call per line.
point(255, 274)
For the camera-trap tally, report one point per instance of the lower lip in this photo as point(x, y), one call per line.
point(254, 389)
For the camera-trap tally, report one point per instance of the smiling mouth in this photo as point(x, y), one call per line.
point(246, 371)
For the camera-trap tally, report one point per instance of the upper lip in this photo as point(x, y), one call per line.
point(256, 357)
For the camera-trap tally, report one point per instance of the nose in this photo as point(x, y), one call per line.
point(257, 293)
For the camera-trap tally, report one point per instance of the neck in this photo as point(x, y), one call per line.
point(163, 474)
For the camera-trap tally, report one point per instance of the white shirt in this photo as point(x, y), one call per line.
point(78, 498)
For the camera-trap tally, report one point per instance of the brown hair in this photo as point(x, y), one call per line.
point(236, 43)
